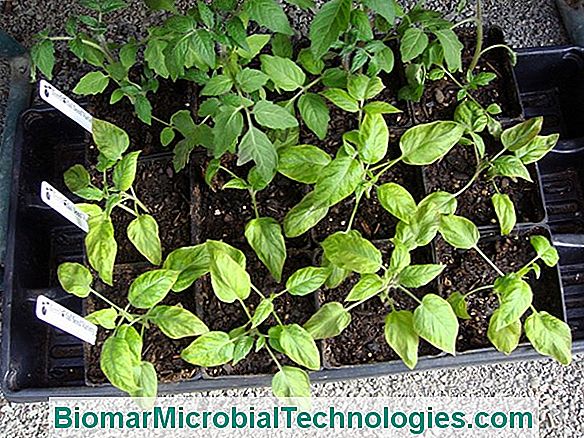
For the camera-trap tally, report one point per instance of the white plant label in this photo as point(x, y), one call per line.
point(58, 316)
point(62, 205)
point(61, 102)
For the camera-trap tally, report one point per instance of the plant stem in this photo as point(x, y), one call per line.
point(478, 289)
point(403, 289)
point(271, 353)
point(358, 197)
point(161, 121)
point(254, 202)
point(489, 261)
point(479, 46)
point(115, 306)
point(302, 91)
point(129, 210)
point(388, 166)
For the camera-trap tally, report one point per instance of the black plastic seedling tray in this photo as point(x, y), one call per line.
point(38, 361)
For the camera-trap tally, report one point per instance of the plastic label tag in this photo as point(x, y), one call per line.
point(62, 205)
point(58, 316)
point(61, 102)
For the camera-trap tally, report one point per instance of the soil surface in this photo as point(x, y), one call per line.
point(225, 317)
point(439, 99)
point(363, 341)
point(224, 214)
point(452, 172)
point(466, 270)
point(166, 194)
point(159, 349)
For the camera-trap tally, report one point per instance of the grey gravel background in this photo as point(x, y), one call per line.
point(560, 390)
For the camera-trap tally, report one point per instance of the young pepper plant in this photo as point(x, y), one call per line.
point(121, 354)
point(112, 142)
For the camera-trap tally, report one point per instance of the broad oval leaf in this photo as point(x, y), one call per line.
point(315, 113)
point(117, 363)
point(545, 250)
point(425, 144)
point(291, 383)
point(401, 336)
point(125, 171)
point(273, 116)
point(459, 231)
point(505, 211)
point(352, 252)
point(515, 296)
point(105, 318)
point(413, 43)
point(94, 82)
point(419, 275)
point(516, 137)
point(101, 246)
point(151, 287)
point(143, 233)
point(304, 215)
point(303, 163)
point(110, 140)
point(176, 322)
point(338, 180)
point(537, 148)
point(329, 321)
point(284, 73)
point(298, 345)
point(192, 262)
point(256, 146)
point(209, 350)
point(230, 281)
point(374, 136)
point(435, 321)
point(306, 280)
point(75, 279)
point(505, 339)
point(264, 235)
point(368, 286)
point(329, 22)
point(397, 200)
point(550, 336)
point(270, 14)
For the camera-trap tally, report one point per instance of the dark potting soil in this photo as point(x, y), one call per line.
point(439, 99)
point(363, 341)
point(466, 270)
point(225, 317)
point(224, 213)
point(170, 98)
point(453, 171)
point(158, 349)
point(166, 195)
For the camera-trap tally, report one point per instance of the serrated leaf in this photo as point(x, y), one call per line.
point(329, 22)
point(269, 13)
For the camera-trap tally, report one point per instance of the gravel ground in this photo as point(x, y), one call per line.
point(559, 389)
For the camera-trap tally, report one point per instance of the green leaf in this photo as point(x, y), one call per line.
point(251, 80)
point(209, 350)
point(143, 233)
point(284, 73)
point(459, 231)
point(217, 86)
point(537, 148)
point(118, 363)
point(148, 383)
point(110, 140)
point(374, 138)
point(315, 113)
point(515, 296)
point(310, 63)
point(329, 321)
point(150, 288)
point(380, 108)
point(452, 48)
point(176, 322)
point(550, 336)
point(505, 339)
point(256, 146)
point(368, 286)
point(413, 43)
point(397, 200)
point(471, 115)
point(264, 235)
point(229, 279)
point(298, 345)
point(422, 228)
point(304, 215)
point(341, 99)
point(227, 129)
point(338, 180)
point(384, 8)
point(76, 279)
point(329, 22)
point(282, 46)
point(262, 312)
point(401, 336)
point(273, 116)
point(125, 171)
point(303, 163)
point(350, 251)
point(458, 303)
point(77, 180)
point(92, 83)
point(291, 383)
point(143, 109)
point(161, 5)
point(154, 56)
point(255, 43)
point(306, 280)
point(516, 137)
point(419, 275)
point(101, 247)
point(426, 143)
point(400, 257)
point(435, 321)
point(43, 57)
point(236, 254)
point(243, 346)
point(545, 250)
point(269, 13)
point(444, 202)
point(509, 166)
point(105, 318)
point(192, 262)
point(505, 212)
point(134, 340)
